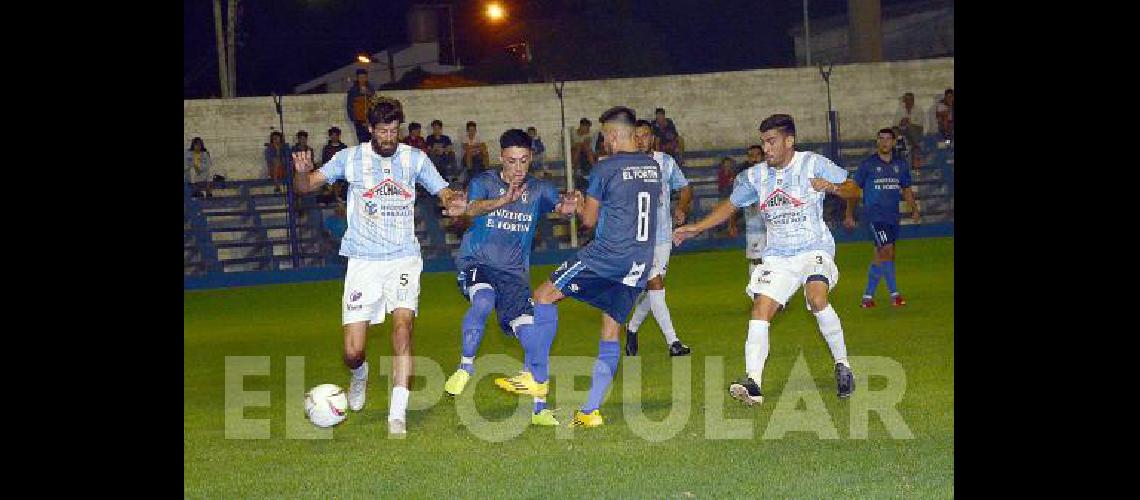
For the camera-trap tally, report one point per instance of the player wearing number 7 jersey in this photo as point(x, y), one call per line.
point(610, 271)
point(789, 186)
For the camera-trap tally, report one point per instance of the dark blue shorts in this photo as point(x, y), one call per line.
point(577, 281)
point(512, 292)
point(883, 233)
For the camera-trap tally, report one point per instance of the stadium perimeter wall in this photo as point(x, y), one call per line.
point(712, 110)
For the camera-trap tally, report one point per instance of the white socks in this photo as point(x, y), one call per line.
point(639, 313)
point(833, 333)
point(399, 405)
point(756, 349)
point(360, 372)
point(654, 300)
point(661, 314)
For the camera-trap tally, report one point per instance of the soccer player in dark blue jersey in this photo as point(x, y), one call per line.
point(610, 271)
point(494, 256)
point(882, 177)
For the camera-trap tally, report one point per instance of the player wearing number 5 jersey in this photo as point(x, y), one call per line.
point(384, 261)
point(610, 271)
point(789, 186)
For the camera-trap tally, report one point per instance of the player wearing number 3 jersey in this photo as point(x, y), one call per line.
point(610, 271)
point(789, 186)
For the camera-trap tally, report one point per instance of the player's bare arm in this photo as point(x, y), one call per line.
point(849, 216)
point(588, 211)
point(908, 195)
point(306, 179)
point(684, 204)
point(568, 204)
point(480, 207)
point(719, 214)
point(847, 190)
point(454, 202)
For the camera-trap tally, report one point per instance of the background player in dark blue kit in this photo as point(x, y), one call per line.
point(494, 256)
point(882, 177)
point(610, 271)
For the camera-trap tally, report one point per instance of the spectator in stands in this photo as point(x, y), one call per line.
point(441, 152)
point(945, 114)
point(357, 102)
point(332, 146)
point(196, 168)
point(475, 157)
point(582, 153)
point(908, 118)
point(668, 139)
point(537, 148)
point(302, 143)
point(335, 227)
point(278, 158)
point(600, 150)
point(415, 137)
point(725, 176)
point(755, 155)
point(337, 190)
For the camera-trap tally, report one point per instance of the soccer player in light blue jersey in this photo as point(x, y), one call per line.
point(672, 179)
point(881, 178)
point(494, 256)
point(789, 186)
point(610, 271)
point(383, 253)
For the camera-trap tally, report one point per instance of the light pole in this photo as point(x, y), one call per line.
point(807, 34)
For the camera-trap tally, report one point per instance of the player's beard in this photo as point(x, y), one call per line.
point(385, 149)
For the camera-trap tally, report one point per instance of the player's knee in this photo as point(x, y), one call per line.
point(354, 359)
point(657, 283)
point(483, 300)
point(545, 294)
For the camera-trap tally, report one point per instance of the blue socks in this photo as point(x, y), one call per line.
point(473, 323)
point(873, 274)
point(536, 341)
point(604, 369)
point(888, 268)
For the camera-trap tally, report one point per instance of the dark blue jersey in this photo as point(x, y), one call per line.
point(881, 183)
point(502, 238)
point(628, 187)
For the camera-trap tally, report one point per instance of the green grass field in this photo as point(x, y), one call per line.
point(443, 457)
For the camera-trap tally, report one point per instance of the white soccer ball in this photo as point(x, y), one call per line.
point(326, 405)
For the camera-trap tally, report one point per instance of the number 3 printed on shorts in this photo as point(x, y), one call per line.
point(404, 279)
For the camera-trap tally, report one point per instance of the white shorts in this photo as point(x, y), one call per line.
point(780, 277)
point(754, 246)
point(661, 253)
point(374, 288)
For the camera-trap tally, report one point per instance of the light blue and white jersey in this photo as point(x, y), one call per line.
point(382, 199)
point(672, 179)
point(792, 210)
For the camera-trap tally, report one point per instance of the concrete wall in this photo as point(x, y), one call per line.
point(711, 110)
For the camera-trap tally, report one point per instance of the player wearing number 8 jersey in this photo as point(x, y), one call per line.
point(610, 271)
point(789, 186)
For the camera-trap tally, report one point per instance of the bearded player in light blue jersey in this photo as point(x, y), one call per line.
point(384, 262)
point(789, 186)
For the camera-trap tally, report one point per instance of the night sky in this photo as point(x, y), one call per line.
point(282, 43)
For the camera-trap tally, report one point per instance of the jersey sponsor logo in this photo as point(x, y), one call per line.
point(388, 188)
point(780, 199)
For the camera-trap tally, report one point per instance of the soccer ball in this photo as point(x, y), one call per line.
point(326, 405)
